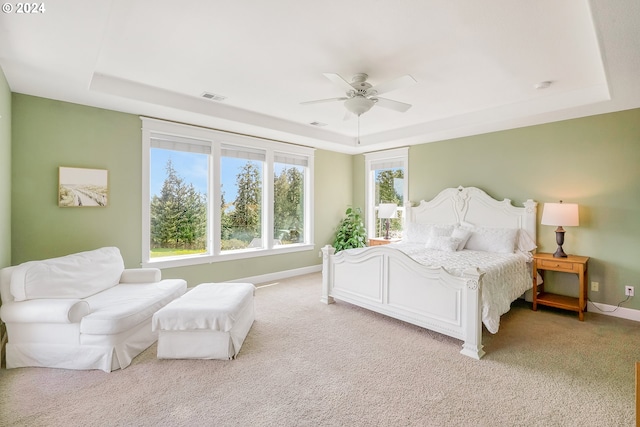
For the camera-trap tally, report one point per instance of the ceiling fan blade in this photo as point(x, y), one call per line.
point(319, 101)
point(393, 105)
point(388, 86)
point(338, 80)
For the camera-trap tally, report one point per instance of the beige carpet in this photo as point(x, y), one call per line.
point(308, 364)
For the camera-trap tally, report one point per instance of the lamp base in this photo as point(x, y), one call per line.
point(559, 253)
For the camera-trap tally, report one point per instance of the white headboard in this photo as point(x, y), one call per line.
point(474, 206)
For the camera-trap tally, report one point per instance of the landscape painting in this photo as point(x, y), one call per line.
point(80, 187)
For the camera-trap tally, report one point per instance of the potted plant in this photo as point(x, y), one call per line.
point(351, 232)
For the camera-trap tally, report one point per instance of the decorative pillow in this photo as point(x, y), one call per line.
point(491, 239)
point(73, 276)
point(463, 234)
point(525, 243)
point(443, 243)
point(440, 231)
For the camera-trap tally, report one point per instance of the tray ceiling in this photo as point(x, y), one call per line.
point(476, 64)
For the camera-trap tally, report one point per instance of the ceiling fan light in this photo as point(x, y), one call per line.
point(358, 105)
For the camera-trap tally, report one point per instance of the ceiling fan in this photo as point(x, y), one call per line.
point(360, 95)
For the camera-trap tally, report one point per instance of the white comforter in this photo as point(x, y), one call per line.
point(506, 276)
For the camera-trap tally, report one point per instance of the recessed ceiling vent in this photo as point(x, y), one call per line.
point(213, 96)
point(543, 85)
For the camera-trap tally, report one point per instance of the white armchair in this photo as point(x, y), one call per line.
point(81, 311)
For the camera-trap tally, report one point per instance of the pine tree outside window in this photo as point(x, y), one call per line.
point(241, 218)
point(289, 208)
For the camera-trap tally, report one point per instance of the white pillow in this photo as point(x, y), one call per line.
point(492, 239)
point(463, 234)
point(443, 243)
point(525, 243)
point(441, 230)
point(73, 276)
point(416, 232)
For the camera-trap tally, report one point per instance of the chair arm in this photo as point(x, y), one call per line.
point(141, 275)
point(45, 311)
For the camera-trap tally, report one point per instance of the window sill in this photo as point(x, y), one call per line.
point(183, 261)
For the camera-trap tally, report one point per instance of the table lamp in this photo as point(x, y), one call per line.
point(386, 211)
point(560, 214)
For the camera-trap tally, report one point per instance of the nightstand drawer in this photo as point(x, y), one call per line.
point(545, 264)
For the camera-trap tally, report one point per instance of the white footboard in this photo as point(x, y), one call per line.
point(387, 281)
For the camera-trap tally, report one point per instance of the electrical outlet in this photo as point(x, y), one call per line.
point(628, 291)
point(595, 286)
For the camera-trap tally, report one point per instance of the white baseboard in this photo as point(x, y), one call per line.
point(272, 277)
point(612, 310)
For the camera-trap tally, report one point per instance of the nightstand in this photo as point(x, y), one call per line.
point(571, 264)
point(379, 241)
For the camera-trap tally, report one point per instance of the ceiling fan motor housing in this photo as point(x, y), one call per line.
point(360, 84)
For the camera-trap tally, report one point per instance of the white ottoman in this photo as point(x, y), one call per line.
point(210, 321)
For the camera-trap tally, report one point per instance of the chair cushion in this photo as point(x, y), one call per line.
point(73, 276)
point(124, 306)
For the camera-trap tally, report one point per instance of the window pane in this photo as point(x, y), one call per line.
point(389, 188)
point(178, 205)
point(241, 198)
point(288, 205)
point(395, 224)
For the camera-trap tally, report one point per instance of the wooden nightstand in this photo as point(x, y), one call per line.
point(379, 241)
point(571, 264)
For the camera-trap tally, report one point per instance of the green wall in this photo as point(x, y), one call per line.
point(593, 161)
point(5, 172)
point(48, 134)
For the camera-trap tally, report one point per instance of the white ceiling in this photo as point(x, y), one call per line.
point(475, 62)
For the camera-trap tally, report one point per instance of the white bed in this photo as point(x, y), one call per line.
point(441, 288)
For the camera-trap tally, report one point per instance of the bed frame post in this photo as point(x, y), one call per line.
point(327, 274)
point(472, 346)
point(530, 217)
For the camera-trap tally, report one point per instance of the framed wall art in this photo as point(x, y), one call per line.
point(79, 187)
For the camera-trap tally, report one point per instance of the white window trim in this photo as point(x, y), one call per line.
point(217, 139)
point(370, 160)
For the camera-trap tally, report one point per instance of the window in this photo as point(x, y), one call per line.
point(210, 196)
point(173, 194)
point(241, 198)
point(385, 183)
point(289, 210)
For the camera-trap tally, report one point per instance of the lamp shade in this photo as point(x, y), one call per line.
point(387, 210)
point(560, 214)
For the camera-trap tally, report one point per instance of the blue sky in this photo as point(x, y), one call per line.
point(191, 167)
